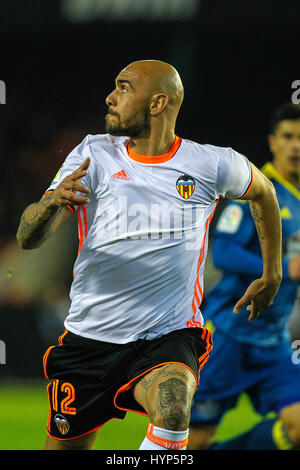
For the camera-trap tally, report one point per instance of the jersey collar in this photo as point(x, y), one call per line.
point(155, 158)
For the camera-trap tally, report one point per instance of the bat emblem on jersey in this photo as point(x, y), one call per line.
point(185, 186)
point(62, 424)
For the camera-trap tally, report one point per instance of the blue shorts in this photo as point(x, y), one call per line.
point(268, 375)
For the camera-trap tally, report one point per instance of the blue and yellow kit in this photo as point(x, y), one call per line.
point(257, 356)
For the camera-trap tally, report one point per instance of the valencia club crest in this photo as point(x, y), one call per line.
point(185, 186)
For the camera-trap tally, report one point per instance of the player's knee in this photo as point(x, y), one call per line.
point(175, 419)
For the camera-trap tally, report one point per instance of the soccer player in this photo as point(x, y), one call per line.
point(258, 360)
point(134, 337)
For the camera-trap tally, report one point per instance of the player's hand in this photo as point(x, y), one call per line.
point(258, 296)
point(65, 193)
point(294, 268)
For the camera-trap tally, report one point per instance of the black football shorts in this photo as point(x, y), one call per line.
point(91, 382)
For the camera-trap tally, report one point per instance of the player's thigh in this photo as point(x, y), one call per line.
point(81, 443)
point(201, 437)
point(166, 394)
point(290, 417)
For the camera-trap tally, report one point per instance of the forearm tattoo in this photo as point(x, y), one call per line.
point(257, 219)
point(34, 223)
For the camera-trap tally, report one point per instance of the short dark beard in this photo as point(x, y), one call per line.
point(138, 129)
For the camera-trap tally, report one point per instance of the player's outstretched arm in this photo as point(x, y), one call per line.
point(266, 215)
point(41, 219)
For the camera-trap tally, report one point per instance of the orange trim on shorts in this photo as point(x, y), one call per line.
point(250, 184)
point(45, 358)
point(127, 386)
point(155, 158)
point(46, 355)
point(60, 339)
point(206, 335)
point(164, 442)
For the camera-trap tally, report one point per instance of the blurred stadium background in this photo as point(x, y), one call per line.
point(58, 60)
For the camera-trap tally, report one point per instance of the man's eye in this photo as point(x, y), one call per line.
point(124, 89)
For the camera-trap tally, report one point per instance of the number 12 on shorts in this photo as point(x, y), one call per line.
point(69, 391)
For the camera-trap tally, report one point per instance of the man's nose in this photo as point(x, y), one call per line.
point(111, 99)
point(295, 144)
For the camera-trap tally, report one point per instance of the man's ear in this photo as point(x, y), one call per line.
point(271, 141)
point(158, 104)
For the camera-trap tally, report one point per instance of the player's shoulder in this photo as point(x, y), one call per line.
point(208, 150)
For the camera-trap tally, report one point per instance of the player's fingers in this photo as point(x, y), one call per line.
point(81, 171)
point(84, 166)
point(254, 312)
point(72, 198)
point(241, 303)
point(80, 188)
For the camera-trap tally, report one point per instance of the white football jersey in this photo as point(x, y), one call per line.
point(143, 237)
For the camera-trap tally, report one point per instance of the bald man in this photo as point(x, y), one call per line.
point(134, 338)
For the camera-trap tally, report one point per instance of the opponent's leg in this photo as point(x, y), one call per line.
point(166, 395)
point(290, 419)
point(281, 433)
point(201, 437)
point(81, 443)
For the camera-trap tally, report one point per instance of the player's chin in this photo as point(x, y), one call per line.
point(114, 130)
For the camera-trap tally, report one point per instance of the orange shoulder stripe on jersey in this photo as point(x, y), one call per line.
point(129, 384)
point(164, 442)
point(249, 186)
point(80, 231)
point(85, 221)
point(155, 158)
point(197, 300)
point(82, 225)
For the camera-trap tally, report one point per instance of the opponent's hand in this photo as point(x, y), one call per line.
point(65, 193)
point(258, 296)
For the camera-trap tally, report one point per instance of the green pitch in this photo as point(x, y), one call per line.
point(24, 411)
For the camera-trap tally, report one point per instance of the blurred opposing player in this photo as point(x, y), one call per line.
point(258, 360)
point(134, 337)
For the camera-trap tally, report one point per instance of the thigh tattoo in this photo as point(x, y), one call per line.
point(172, 402)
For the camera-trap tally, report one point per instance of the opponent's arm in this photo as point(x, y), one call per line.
point(40, 220)
point(266, 215)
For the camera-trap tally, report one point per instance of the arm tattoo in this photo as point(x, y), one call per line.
point(34, 225)
point(257, 219)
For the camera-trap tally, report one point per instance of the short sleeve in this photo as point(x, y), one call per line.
point(234, 177)
point(72, 162)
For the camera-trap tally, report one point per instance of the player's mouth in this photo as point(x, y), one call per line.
point(111, 113)
point(294, 159)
